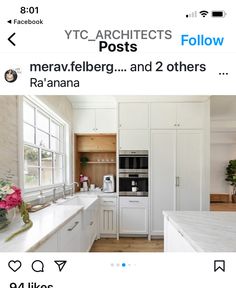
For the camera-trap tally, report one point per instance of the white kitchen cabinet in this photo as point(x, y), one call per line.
point(106, 121)
point(95, 120)
point(190, 115)
point(84, 121)
point(176, 174)
point(69, 236)
point(163, 176)
point(89, 226)
point(133, 215)
point(133, 116)
point(163, 115)
point(50, 245)
point(189, 165)
point(108, 216)
point(177, 115)
point(174, 240)
point(134, 139)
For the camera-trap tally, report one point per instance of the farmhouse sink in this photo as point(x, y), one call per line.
point(86, 202)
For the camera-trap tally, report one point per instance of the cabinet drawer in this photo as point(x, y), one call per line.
point(108, 201)
point(134, 201)
point(69, 235)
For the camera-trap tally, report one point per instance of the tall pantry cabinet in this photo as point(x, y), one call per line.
point(179, 159)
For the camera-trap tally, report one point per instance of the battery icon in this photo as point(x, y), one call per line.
point(218, 14)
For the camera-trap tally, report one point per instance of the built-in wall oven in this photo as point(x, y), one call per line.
point(133, 173)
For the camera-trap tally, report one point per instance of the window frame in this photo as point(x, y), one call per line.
point(63, 145)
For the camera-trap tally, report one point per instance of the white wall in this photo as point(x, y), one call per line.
point(9, 136)
point(223, 140)
point(220, 156)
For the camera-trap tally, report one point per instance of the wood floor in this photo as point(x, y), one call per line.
point(223, 207)
point(142, 244)
point(127, 245)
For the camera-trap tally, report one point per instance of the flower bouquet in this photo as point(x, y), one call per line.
point(10, 198)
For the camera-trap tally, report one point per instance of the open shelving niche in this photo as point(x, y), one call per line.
point(101, 152)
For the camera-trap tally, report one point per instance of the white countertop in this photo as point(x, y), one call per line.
point(206, 231)
point(45, 223)
point(97, 193)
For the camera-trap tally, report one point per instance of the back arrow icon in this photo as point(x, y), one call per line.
point(9, 39)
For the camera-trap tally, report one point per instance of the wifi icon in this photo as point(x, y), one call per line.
point(203, 13)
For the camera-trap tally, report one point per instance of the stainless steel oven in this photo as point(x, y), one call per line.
point(134, 161)
point(133, 173)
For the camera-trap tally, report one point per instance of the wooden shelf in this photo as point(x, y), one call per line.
point(94, 148)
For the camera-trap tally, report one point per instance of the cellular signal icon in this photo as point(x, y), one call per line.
point(203, 13)
point(191, 15)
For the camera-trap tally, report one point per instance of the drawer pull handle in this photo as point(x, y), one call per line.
point(132, 201)
point(108, 201)
point(73, 227)
point(91, 223)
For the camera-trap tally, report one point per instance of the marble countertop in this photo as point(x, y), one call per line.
point(206, 231)
point(45, 223)
point(97, 193)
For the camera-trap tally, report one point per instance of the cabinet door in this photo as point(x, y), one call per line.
point(107, 220)
point(163, 115)
point(84, 121)
point(133, 116)
point(134, 140)
point(133, 215)
point(189, 170)
point(163, 173)
point(190, 115)
point(106, 121)
point(70, 235)
point(50, 245)
point(108, 215)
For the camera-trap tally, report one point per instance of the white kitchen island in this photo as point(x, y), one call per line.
point(187, 231)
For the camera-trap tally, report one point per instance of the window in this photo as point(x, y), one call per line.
point(44, 146)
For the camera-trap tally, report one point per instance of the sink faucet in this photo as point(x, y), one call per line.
point(54, 195)
point(73, 188)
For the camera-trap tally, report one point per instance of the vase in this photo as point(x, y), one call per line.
point(6, 217)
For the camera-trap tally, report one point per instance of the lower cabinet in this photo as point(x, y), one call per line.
point(107, 216)
point(89, 228)
point(50, 245)
point(133, 215)
point(69, 237)
point(174, 241)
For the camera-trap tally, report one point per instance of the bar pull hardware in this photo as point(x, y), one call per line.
point(177, 181)
point(107, 201)
point(73, 227)
point(133, 201)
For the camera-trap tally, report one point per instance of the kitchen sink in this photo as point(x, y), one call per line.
point(86, 202)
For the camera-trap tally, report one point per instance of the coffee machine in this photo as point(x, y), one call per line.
point(108, 184)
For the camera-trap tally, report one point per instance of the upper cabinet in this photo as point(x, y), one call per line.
point(190, 115)
point(163, 115)
point(133, 116)
point(177, 115)
point(95, 120)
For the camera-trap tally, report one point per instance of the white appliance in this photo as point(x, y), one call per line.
point(108, 184)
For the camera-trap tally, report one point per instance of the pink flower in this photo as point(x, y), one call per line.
point(12, 200)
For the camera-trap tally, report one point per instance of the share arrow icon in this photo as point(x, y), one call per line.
point(61, 264)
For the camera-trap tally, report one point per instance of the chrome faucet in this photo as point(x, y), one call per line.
point(73, 188)
point(54, 195)
point(64, 191)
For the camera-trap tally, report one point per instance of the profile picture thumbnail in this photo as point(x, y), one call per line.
point(10, 75)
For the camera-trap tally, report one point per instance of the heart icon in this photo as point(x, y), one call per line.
point(14, 265)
